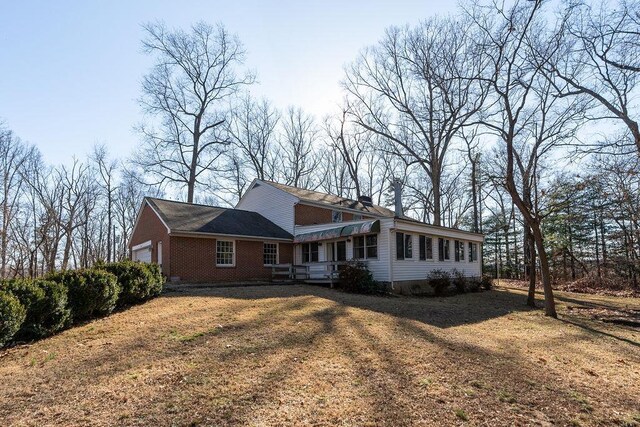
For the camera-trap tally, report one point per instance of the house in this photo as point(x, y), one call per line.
point(275, 224)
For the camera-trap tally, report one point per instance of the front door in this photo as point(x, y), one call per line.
point(337, 251)
point(341, 251)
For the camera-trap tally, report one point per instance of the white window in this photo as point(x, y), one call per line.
point(270, 253)
point(459, 250)
point(336, 216)
point(357, 217)
point(443, 249)
point(310, 252)
point(225, 253)
point(473, 252)
point(426, 248)
point(365, 247)
point(404, 246)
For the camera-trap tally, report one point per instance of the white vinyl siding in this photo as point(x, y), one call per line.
point(416, 269)
point(272, 203)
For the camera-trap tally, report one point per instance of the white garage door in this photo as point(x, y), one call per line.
point(142, 252)
point(143, 255)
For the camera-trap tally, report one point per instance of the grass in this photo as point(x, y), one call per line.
point(303, 355)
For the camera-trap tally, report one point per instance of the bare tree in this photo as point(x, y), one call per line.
point(186, 92)
point(351, 144)
point(298, 154)
point(511, 37)
point(252, 131)
point(416, 89)
point(106, 170)
point(600, 60)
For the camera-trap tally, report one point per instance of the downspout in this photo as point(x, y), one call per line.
point(391, 232)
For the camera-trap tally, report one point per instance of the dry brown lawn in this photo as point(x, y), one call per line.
point(305, 355)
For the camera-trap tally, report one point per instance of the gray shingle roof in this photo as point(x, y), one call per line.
point(331, 200)
point(193, 218)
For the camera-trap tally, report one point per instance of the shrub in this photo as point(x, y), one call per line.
point(139, 281)
point(158, 280)
point(12, 314)
point(487, 282)
point(356, 277)
point(135, 281)
point(92, 292)
point(459, 281)
point(45, 303)
point(439, 281)
point(474, 284)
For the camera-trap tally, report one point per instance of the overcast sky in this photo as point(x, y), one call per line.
point(70, 72)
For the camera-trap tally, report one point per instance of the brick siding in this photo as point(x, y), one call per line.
point(193, 259)
point(151, 228)
point(309, 215)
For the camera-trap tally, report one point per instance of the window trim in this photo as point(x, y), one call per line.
point(365, 246)
point(459, 251)
point(423, 238)
point(277, 253)
point(310, 252)
point(405, 257)
point(473, 254)
point(444, 253)
point(233, 253)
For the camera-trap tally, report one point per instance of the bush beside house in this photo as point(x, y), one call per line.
point(138, 282)
point(355, 277)
point(12, 314)
point(45, 304)
point(36, 308)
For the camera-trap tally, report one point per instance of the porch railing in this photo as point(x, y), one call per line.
point(319, 272)
point(289, 271)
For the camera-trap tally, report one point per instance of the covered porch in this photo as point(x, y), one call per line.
point(321, 250)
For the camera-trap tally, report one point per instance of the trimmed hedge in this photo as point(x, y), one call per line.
point(12, 314)
point(138, 281)
point(92, 292)
point(158, 280)
point(36, 308)
point(45, 303)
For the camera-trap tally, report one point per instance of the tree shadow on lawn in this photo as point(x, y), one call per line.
point(442, 312)
point(269, 367)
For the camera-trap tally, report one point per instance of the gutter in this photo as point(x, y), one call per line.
point(392, 231)
point(235, 236)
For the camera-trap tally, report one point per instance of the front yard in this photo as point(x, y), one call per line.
point(304, 355)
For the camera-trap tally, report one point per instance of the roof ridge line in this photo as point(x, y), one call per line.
point(196, 204)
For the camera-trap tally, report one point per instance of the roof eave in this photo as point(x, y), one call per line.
point(180, 233)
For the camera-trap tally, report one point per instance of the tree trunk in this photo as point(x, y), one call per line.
point(595, 227)
point(530, 247)
point(474, 195)
point(437, 207)
point(549, 303)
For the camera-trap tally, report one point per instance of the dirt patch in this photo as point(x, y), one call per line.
point(303, 355)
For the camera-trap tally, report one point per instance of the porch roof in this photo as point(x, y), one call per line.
point(361, 227)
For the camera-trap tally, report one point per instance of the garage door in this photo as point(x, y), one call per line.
point(142, 252)
point(143, 255)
